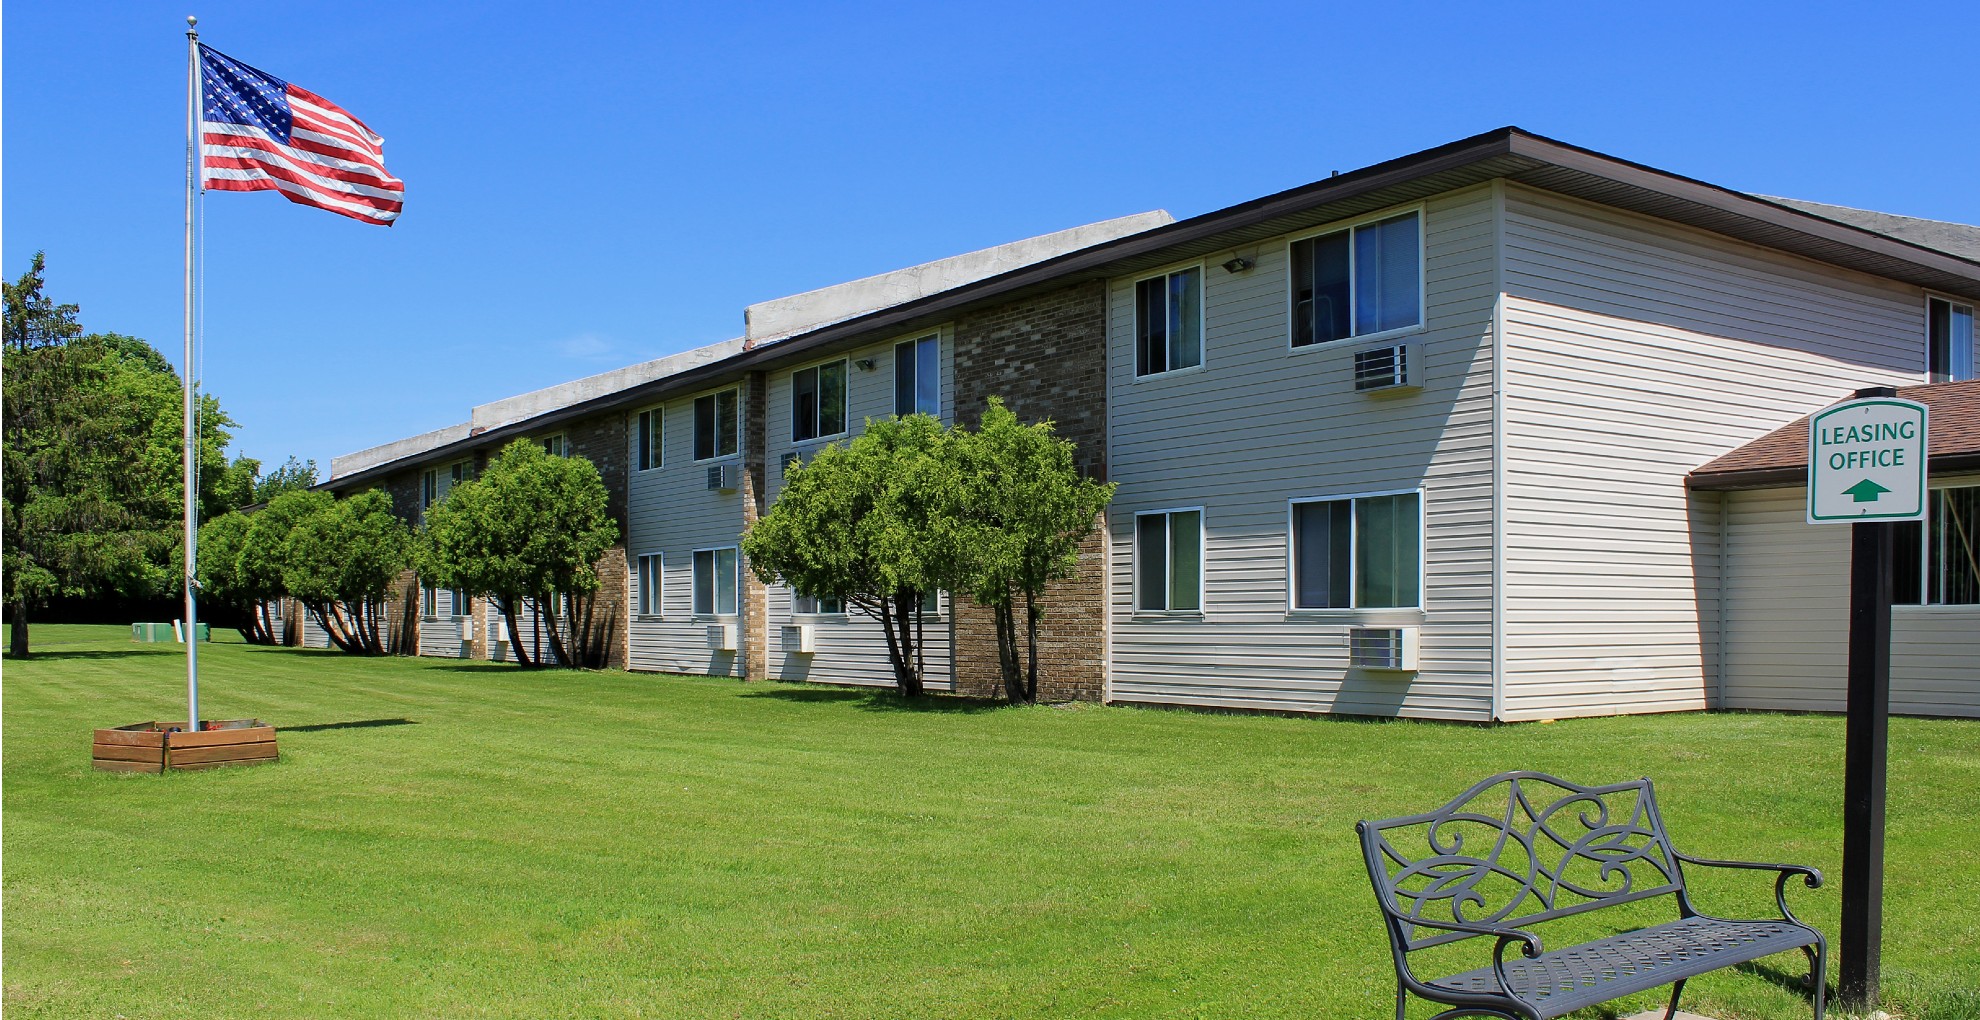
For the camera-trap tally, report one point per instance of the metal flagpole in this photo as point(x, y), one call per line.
point(192, 470)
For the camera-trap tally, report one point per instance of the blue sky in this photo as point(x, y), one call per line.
point(593, 185)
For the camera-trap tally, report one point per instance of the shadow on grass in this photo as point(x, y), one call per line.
point(880, 701)
point(1795, 981)
point(355, 724)
point(95, 653)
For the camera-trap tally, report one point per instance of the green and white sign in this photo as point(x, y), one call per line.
point(1866, 462)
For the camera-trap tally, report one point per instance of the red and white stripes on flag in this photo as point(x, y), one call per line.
point(260, 133)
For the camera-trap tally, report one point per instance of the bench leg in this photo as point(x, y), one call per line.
point(1818, 972)
point(1672, 1011)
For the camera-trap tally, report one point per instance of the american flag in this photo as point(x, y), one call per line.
point(258, 132)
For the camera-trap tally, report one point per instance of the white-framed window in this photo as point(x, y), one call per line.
point(1360, 281)
point(1356, 552)
point(1168, 561)
point(650, 576)
point(715, 582)
point(815, 605)
point(717, 425)
point(429, 602)
point(1949, 340)
point(918, 376)
point(818, 401)
point(458, 601)
point(435, 483)
point(556, 446)
point(1168, 322)
point(648, 452)
point(1938, 559)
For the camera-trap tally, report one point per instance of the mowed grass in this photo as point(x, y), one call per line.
point(446, 839)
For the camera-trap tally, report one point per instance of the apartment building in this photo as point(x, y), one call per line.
point(1418, 439)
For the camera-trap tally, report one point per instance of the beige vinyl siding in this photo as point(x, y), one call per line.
point(1787, 619)
point(671, 511)
point(1635, 351)
point(441, 636)
point(852, 648)
point(1260, 424)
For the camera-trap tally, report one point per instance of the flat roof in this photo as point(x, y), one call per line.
point(1780, 458)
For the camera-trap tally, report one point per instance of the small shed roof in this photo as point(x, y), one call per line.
point(1780, 458)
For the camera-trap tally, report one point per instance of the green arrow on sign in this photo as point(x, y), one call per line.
point(1865, 491)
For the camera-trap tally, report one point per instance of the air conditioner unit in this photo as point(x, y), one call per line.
point(800, 639)
point(1398, 366)
point(722, 637)
point(467, 629)
point(722, 477)
point(1391, 649)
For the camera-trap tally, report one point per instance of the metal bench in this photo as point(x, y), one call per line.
point(1523, 848)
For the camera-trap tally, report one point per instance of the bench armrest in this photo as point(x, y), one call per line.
point(1529, 946)
point(1810, 877)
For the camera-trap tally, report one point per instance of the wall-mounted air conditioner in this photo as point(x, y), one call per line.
point(722, 637)
point(1394, 367)
point(467, 629)
point(800, 639)
point(722, 478)
point(1392, 649)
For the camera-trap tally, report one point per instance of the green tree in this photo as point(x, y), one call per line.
point(222, 541)
point(341, 559)
point(532, 527)
point(1020, 511)
point(92, 471)
point(292, 475)
point(862, 523)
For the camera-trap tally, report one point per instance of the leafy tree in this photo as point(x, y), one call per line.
point(92, 469)
point(341, 560)
point(862, 523)
point(222, 580)
point(1020, 511)
point(531, 527)
point(291, 476)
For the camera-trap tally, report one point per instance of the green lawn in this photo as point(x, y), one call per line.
point(449, 839)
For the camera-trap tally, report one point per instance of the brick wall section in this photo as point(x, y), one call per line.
point(1046, 356)
point(755, 595)
point(606, 440)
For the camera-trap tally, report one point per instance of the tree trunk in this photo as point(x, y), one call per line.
point(515, 633)
point(330, 617)
point(17, 631)
point(557, 649)
point(1007, 656)
point(907, 672)
point(266, 622)
point(1031, 615)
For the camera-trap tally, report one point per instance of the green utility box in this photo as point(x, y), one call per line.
point(148, 632)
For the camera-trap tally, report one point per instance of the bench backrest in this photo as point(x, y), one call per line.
point(1519, 848)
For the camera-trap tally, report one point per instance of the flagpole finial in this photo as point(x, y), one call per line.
point(192, 24)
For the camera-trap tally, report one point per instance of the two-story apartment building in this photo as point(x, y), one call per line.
point(1411, 440)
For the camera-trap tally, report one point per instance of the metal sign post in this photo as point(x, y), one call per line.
point(1866, 468)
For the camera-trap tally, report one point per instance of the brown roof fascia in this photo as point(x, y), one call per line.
point(1786, 477)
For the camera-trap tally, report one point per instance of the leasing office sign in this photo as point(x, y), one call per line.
point(1866, 462)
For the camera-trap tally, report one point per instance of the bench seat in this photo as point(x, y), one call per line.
point(1591, 973)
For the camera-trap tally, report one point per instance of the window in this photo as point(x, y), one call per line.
point(715, 582)
point(1357, 282)
point(1949, 347)
point(429, 602)
point(1168, 553)
point(817, 604)
point(918, 376)
point(556, 446)
point(818, 401)
point(1937, 563)
point(459, 603)
point(716, 428)
point(434, 483)
point(650, 581)
point(1363, 552)
point(650, 425)
point(1168, 322)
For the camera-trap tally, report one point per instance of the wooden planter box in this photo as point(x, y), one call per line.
point(157, 746)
